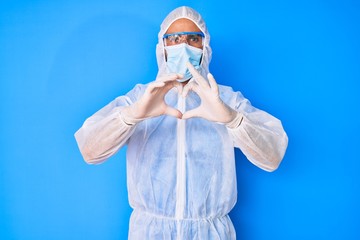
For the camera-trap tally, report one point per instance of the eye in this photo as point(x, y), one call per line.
point(174, 38)
point(177, 39)
point(194, 38)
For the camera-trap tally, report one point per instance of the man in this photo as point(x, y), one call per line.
point(181, 131)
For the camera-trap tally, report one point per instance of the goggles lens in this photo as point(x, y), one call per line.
point(194, 39)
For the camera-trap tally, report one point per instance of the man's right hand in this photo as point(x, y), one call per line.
point(152, 103)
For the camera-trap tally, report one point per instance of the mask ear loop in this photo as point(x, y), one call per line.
point(203, 47)
point(165, 54)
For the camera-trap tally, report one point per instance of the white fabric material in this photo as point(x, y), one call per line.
point(236, 121)
point(194, 205)
point(191, 14)
point(97, 143)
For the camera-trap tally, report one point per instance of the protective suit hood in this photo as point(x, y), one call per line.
point(191, 14)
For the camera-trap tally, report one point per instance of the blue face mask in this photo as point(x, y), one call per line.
point(179, 55)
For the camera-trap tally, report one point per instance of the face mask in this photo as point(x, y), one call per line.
point(179, 55)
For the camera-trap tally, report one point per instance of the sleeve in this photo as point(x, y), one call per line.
point(105, 132)
point(259, 135)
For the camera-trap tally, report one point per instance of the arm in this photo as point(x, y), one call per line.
point(105, 132)
point(259, 135)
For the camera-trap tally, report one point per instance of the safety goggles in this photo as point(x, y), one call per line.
point(194, 39)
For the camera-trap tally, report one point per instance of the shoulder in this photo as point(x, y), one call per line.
point(226, 92)
point(225, 89)
point(133, 95)
point(229, 96)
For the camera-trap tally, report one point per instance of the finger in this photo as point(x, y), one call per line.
point(213, 83)
point(180, 76)
point(172, 84)
point(192, 113)
point(154, 85)
point(200, 79)
point(188, 87)
point(173, 112)
point(165, 84)
point(178, 86)
point(169, 77)
point(192, 70)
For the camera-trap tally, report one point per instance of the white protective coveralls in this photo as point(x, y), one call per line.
point(181, 174)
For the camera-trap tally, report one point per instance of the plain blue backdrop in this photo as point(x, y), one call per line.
point(60, 61)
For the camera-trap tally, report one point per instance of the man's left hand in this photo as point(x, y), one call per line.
point(212, 107)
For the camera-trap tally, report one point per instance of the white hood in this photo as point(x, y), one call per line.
point(191, 14)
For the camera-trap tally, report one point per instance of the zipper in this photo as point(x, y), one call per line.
point(180, 167)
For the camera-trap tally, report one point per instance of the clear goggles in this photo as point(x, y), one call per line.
point(194, 39)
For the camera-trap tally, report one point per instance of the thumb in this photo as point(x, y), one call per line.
point(192, 113)
point(173, 112)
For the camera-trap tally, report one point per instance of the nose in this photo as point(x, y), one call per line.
point(183, 39)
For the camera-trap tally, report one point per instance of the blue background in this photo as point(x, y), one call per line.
point(60, 61)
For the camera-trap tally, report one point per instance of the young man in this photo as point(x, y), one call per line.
point(181, 130)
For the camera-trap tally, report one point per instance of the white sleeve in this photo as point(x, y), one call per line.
point(259, 135)
point(105, 132)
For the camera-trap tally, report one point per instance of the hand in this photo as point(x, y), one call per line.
point(152, 103)
point(212, 107)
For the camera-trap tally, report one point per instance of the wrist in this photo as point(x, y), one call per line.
point(128, 116)
point(237, 120)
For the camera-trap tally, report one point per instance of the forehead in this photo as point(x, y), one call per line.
point(183, 25)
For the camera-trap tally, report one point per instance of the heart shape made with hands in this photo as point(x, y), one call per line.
point(152, 103)
point(211, 107)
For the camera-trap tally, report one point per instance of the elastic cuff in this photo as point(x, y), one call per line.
point(236, 121)
point(126, 120)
